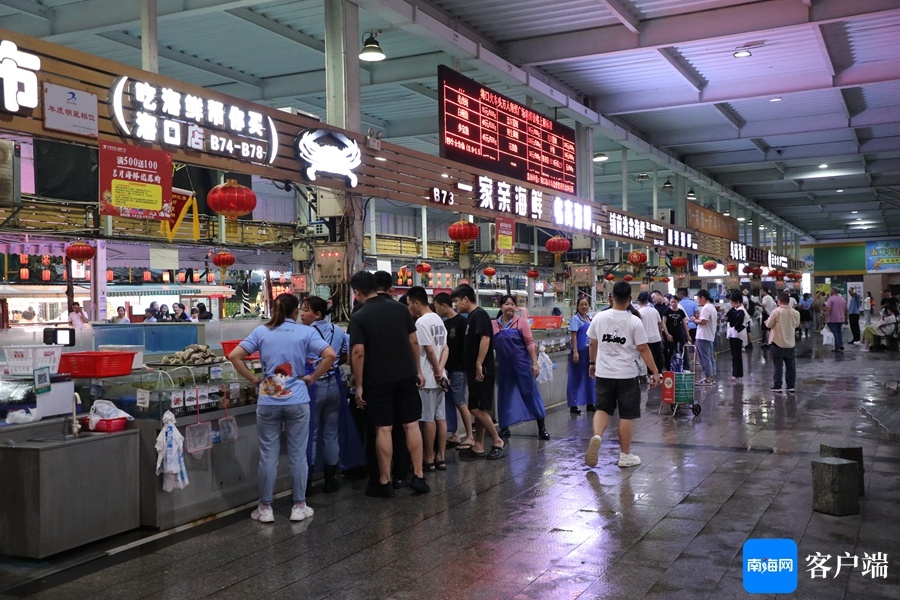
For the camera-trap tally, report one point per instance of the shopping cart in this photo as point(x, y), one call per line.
point(678, 386)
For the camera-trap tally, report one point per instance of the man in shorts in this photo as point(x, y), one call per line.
point(385, 360)
point(480, 373)
point(433, 352)
point(456, 366)
point(616, 336)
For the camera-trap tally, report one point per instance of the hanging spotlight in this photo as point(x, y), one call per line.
point(600, 157)
point(371, 50)
point(742, 53)
point(667, 185)
point(691, 195)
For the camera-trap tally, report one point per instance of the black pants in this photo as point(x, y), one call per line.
point(784, 358)
point(657, 352)
point(401, 464)
point(854, 326)
point(737, 356)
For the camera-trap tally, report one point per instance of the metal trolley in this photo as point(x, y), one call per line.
point(678, 385)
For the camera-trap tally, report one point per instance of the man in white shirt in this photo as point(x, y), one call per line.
point(768, 305)
point(706, 323)
point(616, 335)
point(433, 353)
point(77, 318)
point(653, 327)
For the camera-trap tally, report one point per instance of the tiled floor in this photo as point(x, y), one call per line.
point(541, 525)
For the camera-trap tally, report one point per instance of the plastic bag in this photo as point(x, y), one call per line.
point(545, 364)
point(21, 416)
point(104, 409)
point(827, 337)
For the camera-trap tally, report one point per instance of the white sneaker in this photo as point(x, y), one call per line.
point(263, 514)
point(593, 451)
point(299, 514)
point(628, 460)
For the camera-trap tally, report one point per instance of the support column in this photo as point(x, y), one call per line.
point(624, 178)
point(754, 230)
point(424, 212)
point(655, 213)
point(98, 282)
point(149, 46)
point(373, 219)
point(343, 104)
point(680, 201)
point(584, 155)
point(779, 240)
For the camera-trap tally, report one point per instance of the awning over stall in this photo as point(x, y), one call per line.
point(40, 291)
point(185, 291)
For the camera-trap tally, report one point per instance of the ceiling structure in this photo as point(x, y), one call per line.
point(655, 78)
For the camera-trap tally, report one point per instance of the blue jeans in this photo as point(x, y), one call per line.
point(270, 419)
point(325, 429)
point(838, 338)
point(707, 356)
point(457, 386)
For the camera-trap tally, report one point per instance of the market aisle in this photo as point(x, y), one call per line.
point(539, 524)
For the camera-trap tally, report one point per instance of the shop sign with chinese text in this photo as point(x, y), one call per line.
point(135, 182)
point(18, 72)
point(506, 235)
point(70, 111)
point(163, 115)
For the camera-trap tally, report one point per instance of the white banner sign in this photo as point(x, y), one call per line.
point(71, 111)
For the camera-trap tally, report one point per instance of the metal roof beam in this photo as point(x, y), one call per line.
point(811, 151)
point(251, 16)
point(763, 192)
point(761, 129)
point(32, 9)
point(674, 60)
point(622, 14)
point(763, 87)
point(185, 59)
point(699, 26)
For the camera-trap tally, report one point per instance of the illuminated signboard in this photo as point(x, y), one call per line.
point(776, 261)
point(631, 227)
point(18, 70)
point(162, 115)
point(486, 130)
point(679, 239)
point(757, 255)
point(331, 152)
point(737, 251)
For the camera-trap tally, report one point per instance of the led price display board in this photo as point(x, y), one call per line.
point(487, 130)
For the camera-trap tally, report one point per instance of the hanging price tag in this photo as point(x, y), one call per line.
point(143, 398)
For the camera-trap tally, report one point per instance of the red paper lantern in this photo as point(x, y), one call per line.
point(232, 200)
point(423, 268)
point(182, 276)
point(665, 280)
point(628, 278)
point(610, 277)
point(772, 273)
point(23, 259)
point(210, 278)
point(489, 272)
point(463, 232)
point(195, 277)
point(533, 274)
point(223, 259)
point(45, 260)
point(109, 275)
point(79, 251)
point(679, 262)
point(779, 274)
point(45, 275)
point(710, 265)
point(24, 273)
point(731, 268)
point(748, 270)
point(757, 271)
point(148, 276)
point(637, 258)
point(558, 245)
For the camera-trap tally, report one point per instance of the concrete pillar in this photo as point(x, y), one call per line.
point(343, 103)
point(149, 46)
point(624, 178)
point(754, 230)
point(655, 213)
point(98, 282)
point(373, 220)
point(680, 201)
point(779, 239)
point(584, 167)
point(424, 212)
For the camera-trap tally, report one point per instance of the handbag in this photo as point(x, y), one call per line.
point(827, 337)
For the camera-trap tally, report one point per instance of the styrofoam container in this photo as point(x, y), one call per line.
point(138, 362)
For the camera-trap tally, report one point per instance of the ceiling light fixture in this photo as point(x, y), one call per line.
point(381, 159)
point(742, 219)
point(775, 99)
point(691, 195)
point(667, 185)
point(371, 50)
point(742, 53)
point(725, 214)
point(600, 157)
point(642, 177)
point(854, 212)
point(823, 166)
point(840, 191)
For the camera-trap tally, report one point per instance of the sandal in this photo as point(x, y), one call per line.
point(440, 465)
point(470, 453)
point(428, 467)
point(464, 446)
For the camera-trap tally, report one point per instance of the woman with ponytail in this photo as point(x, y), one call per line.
point(283, 345)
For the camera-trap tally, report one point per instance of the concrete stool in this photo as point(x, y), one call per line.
point(835, 487)
point(848, 452)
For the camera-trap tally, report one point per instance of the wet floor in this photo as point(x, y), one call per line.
point(540, 525)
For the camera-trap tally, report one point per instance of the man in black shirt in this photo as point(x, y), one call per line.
point(888, 301)
point(385, 360)
point(456, 365)
point(478, 350)
point(659, 303)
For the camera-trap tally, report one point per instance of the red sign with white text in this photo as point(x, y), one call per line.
point(135, 182)
point(506, 235)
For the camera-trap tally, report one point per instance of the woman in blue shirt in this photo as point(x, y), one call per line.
point(283, 346)
point(329, 390)
point(580, 385)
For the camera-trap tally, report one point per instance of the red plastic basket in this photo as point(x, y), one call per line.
point(229, 345)
point(105, 425)
point(96, 364)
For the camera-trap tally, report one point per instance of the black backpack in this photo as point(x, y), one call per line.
point(751, 306)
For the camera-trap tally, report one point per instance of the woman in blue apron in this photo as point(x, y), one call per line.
point(580, 386)
point(330, 412)
point(518, 396)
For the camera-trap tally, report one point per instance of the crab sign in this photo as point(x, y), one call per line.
point(338, 159)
